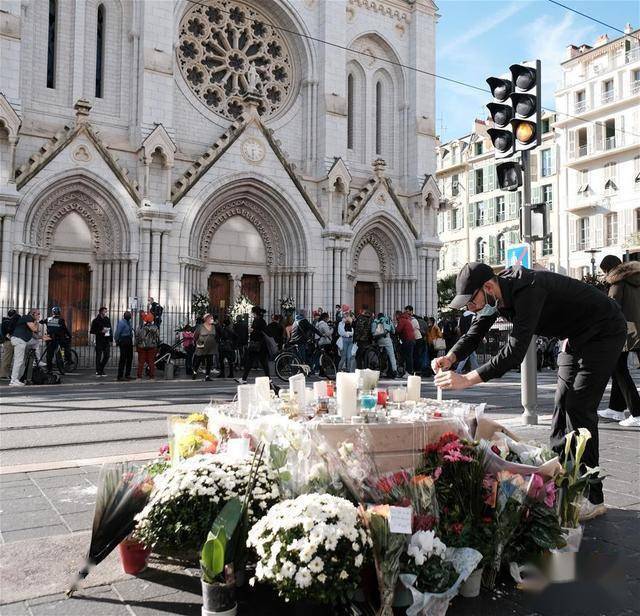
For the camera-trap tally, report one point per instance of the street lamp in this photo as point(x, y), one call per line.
point(593, 252)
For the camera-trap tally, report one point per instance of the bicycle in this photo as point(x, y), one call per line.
point(376, 358)
point(290, 362)
point(65, 359)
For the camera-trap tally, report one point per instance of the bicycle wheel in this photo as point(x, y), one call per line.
point(327, 366)
point(60, 363)
point(287, 365)
point(371, 359)
point(71, 361)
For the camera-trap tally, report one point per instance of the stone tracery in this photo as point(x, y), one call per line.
point(222, 48)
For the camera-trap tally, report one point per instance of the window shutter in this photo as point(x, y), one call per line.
point(512, 206)
point(620, 131)
point(534, 167)
point(536, 195)
point(493, 249)
point(572, 144)
point(471, 177)
point(471, 215)
point(599, 234)
point(491, 170)
point(449, 217)
point(492, 210)
point(553, 159)
point(485, 179)
point(572, 233)
point(599, 136)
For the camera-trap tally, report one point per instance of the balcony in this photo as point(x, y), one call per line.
point(635, 87)
point(608, 96)
point(632, 55)
point(580, 107)
point(583, 150)
point(610, 143)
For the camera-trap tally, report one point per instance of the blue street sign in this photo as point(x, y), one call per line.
point(519, 254)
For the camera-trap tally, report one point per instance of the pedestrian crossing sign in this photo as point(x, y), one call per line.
point(519, 254)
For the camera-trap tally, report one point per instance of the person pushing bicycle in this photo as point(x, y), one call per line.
point(60, 336)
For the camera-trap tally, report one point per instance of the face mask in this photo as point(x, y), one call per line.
point(488, 310)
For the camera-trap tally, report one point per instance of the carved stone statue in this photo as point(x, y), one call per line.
point(253, 78)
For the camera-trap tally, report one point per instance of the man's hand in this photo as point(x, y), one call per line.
point(451, 380)
point(442, 363)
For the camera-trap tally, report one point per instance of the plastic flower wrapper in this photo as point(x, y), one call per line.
point(511, 494)
point(433, 572)
point(575, 479)
point(189, 436)
point(388, 549)
point(515, 457)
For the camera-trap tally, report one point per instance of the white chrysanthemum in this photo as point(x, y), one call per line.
point(316, 565)
point(303, 578)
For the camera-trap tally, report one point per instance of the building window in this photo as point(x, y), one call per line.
point(501, 209)
point(455, 185)
point(611, 229)
point(545, 125)
point(583, 149)
point(350, 110)
point(455, 218)
point(479, 180)
point(610, 134)
point(51, 45)
point(547, 195)
point(635, 81)
point(481, 249)
point(100, 51)
point(478, 148)
point(637, 219)
point(502, 247)
point(583, 233)
point(581, 102)
point(545, 163)
point(378, 118)
point(607, 91)
point(636, 172)
point(481, 213)
point(547, 245)
point(583, 185)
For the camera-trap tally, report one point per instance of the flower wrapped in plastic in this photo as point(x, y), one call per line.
point(433, 573)
point(311, 548)
point(189, 436)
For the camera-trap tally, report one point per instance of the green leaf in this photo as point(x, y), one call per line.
point(228, 518)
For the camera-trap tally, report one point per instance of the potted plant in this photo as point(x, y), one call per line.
point(216, 563)
point(133, 555)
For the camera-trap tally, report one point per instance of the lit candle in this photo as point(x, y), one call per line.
point(298, 387)
point(347, 394)
point(246, 395)
point(320, 389)
point(263, 388)
point(413, 387)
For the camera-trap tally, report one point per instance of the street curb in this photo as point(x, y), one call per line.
point(49, 466)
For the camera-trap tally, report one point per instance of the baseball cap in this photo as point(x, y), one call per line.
point(470, 278)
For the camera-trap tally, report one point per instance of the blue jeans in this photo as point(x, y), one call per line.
point(473, 363)
point(346, 358)
point(387, 344)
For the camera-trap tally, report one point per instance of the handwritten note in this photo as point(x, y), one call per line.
point(400, 519)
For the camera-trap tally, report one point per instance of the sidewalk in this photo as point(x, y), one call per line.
point(46, 518)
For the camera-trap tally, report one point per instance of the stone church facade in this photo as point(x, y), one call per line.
point(161, 148)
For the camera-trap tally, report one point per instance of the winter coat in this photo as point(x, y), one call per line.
point(404, 328)
point(624, 281)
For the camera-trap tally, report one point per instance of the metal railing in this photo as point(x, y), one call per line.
point(610, 143)
point(635, 87)
point(580, 107)
point(583, 150)
point(608, 96)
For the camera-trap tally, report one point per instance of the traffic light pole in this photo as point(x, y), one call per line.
point(529, 368)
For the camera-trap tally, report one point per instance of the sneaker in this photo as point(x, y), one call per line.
point(98, 374)
point(120, 378)
point(241, 381)
point(631, 422)
point(588, 511)
point(611, 414)
point(16, 384)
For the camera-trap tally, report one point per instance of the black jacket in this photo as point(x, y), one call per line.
point(545, 304)
point(624, 281)
point(98, 326)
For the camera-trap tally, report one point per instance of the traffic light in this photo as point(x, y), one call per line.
point(539, 220)
point(509, 176)
point(526, 103)
point(502, 114)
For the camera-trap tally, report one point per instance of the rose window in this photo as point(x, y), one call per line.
point(227, 47)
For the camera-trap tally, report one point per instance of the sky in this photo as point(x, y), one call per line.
point(478, 38)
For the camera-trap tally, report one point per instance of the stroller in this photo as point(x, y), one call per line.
point(167, 357)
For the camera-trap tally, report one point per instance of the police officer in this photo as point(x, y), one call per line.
point(546, 304)
point(59, 334)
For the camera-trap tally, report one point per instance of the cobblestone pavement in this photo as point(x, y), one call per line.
point(45, 517)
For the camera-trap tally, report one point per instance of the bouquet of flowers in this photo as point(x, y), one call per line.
point(287, 304)
point(433, 572)
point(241, 307)
point(511, 492)
point(311, 548)
point(187, 498)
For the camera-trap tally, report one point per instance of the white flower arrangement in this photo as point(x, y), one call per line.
point(241, 307)
point(311, 548)
point(186, 499)
point(425, 544)
point(287, 303)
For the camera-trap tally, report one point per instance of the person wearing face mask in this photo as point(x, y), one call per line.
point(546, 304)
point(123, 337)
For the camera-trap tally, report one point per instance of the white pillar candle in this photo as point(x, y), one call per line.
point(347, 394)
point(246, 395)
point(320, 389)
point(368, 378)
point(413, 387)
point(263, 388)
point(298, 387)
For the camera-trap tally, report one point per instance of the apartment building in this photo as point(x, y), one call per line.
point(598, 135)
point(481, 221)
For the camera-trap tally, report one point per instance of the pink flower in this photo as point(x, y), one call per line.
point(536, 487)
point(437, 473)
point(550, 491)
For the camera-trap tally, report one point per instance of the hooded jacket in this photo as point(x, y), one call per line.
point(545, 304)
point(624, 281)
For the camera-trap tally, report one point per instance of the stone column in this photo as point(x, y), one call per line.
point(6, 269)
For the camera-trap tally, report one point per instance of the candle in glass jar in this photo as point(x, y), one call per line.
point(263, 388)
point(246, 394)
point(320, 389)
point(413, 387)
point(331, 389)
point(347, 394)
point(382, 397)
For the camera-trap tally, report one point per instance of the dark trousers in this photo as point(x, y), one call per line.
point(52, 347)
point(360, 353)
point(103, 352)
point(582, 379)
point(624, 394)
point(147, 356)
point(188, 360)
point(126, 358)
point(230, 356)
point(420, 356)
point(198, 359)
point(407, 349)
point(251, 357)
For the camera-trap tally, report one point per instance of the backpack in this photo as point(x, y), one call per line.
point(158, 310)
point(422, 324)
point(362, 329)
point(147, 338)
point(8, 325)
point(42, 377)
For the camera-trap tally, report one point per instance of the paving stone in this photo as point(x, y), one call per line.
point(21, 491)
point(14, 609)
point(101, 601)
point(79, 521)
point(75, 470)
point(138, 589)
point(60, 481)
point(32, 533)
point(17, 505)
point(28, 519)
